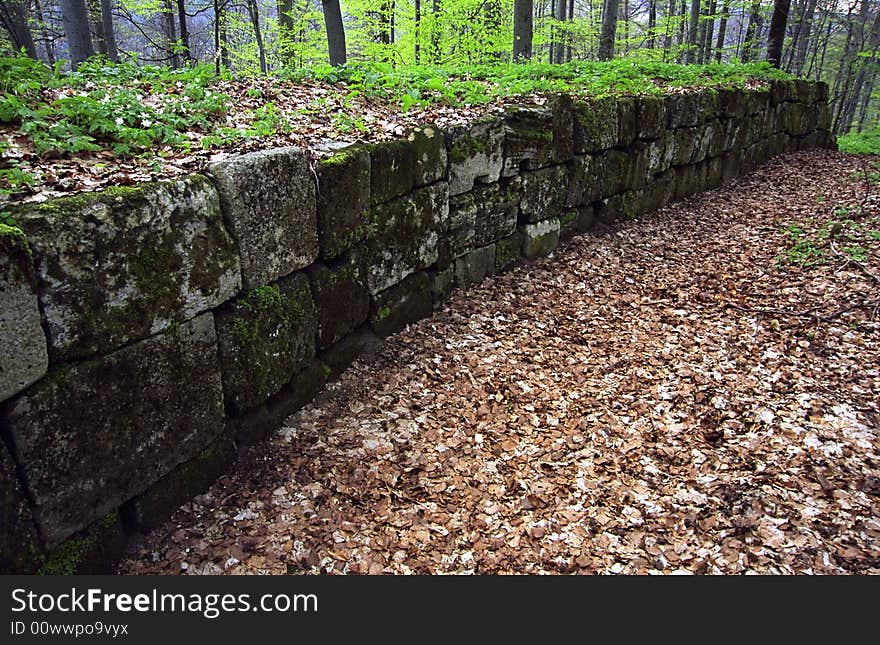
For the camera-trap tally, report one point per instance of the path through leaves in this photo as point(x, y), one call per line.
point(670, 395)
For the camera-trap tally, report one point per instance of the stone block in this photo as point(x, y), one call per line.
point(23, 355)
point(92, 435)
point(122, 264)
point(95, 550)
point(595, 125)
point(543, 193)
point(359, 343)
point(405, 234)
point(392, 170)
point(508, 252)
point(265, 337)
point(537, 136)
point(626, 120)
point(540, 239)
point(404, 303)
point(475, 153)
point(442, 283)
point(341, 298)
point(269, 204)
point(429, 152)
point(343, 199)
point(650, 122)
point(19, 544)
point(473, 268)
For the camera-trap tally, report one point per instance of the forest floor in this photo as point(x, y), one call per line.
point(695, 391)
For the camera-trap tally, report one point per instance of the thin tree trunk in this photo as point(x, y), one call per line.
point(681, 27)
point(14, 18)
point(752, 30)
point(693, 29)
point(254, 13)
point(109, 30)
point(559, 12)
point(722, 30)
point(865, 65)
point(335, 32)
point(709, 31)
point(435, 32)
point(568, 47)
point(652, 24)
point(777, 31)
point(184, 32)
point(522, 29)
point(609, 29)
point(48, 43)
point(75, 19)
point(417, 25)
point(170, 34)
point(97, 26)
point(803, 44)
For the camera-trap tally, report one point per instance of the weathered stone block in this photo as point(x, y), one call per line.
point(582, 182)
point(540, 239)
point(343, 198)
point(823, 117)
point(731, 165)
point(626, 120)
point(612, 173)
point(650, 120)
point(714, 172)
point(489, 211)
point(341, 298)
point(360, 343)
point(475, 266)
point(429, 152)
point(567, 224)
point(685, 146)
point(442, 283)
point(731, 103)
point(543, 193)
point(690, 180)
point(19, 545)
point(122, 264)
point(508, 252)
point(269, 205)
point(23, 356)
point(805, 91)
point(626, 205)
point(732, 135)
point(660, 152)
point(91, 435)
point(402, 304)
point(595, 125)
point(684, 110)
point(95, 550)
point(782, 90)
point(404, 235)
point(475, 153)
point(158, 503)
point(392, 170)
point(265, 337)
point(755, 101)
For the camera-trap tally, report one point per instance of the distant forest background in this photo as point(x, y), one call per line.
point(832, 40)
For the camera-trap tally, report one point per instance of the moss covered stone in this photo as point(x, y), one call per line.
point(19, 544)
point(91, 435)
point(611, 173)
point(683, 110)
point(343, 198)
point(538, 135)
point(158, 503)
point(269, 204)
point(404, 303)
point(92, 551)
point(360, 343)
point(429, 154)
point(265, 337)
point(475, 266)
point(543, 193)
point(595, 125)
point(341, 298)
point(116, 266)
point(508, 252)
point(690, 180)
point(475, 153)
point(23, 355)
point(392, 170)
point(539, 239)
point(442, 283)
point(404, 235)
point(485, 214)
point(626, 120)
point(650, 121)
point(731, 103)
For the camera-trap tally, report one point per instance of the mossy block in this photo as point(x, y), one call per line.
point(473, 268)
point(20, 548)
point(625, 206)
point(709, 141)
point(783, 90)
point(265, 337)
point(714, 172)
point(23, 355)
point(538, 135)
point(260, 422)
point(343, 198)
point(119, 265)
point(94, 551)
point(731, 165)
point(690, 180)
point(756, 101)
point(650, 118)
point(360, 343)
point(404, 235)
point(659, 192)
point(659, 153)
point(429, 152)
point(823, 117)
point(539, 239)
point(153, 507)
point(732, 134)
point(404, 303)
point(710, 105)
point(543, 193)
point(626, 120)
point(684, 110)
point(582, 182)
point(821, 90)
point(92, 435)
point(568, 224)
point(731, 103)
point(392, 170)
point(508, 252)
point(341, 298)
point(612, 173)
point(490, 212)
point(269, 203)
point(595, 125)
point(799, 119)
point(476, 153)
point(685, 146)
point(442, 283)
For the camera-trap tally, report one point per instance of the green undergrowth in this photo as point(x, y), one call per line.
point(846, 233)
point(863, 143)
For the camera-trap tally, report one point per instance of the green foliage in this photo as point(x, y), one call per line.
point(864, 143)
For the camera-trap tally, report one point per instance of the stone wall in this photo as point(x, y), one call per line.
point(148, 330)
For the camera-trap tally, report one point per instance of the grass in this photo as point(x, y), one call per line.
point(863, 143)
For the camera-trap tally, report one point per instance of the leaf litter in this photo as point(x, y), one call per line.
point(643, 401)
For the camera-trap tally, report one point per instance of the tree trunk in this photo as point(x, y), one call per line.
point(693, 29)
point(97, 26)
point(609, 29)
point(708, 32)
point(184, 32)
point(254, 13)
point(48, 42)
point(75, 18)
point(865, 65)
point(285, 20)
point(417, 26)
point(652, 24)
point(755, 20)
point(800, 55)
point(109, 30)
point(668, 35)
point(559, 13)
point(522, 29)
point(568, 47)
point(14, 17)
point(435, 32)
point(777, 31)
point(722, 30)
point(335, 32)
point(170, 34)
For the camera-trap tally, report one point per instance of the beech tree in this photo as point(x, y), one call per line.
point(523, 18)
point(14, 17)
point(335, 32)
point(75, 18)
